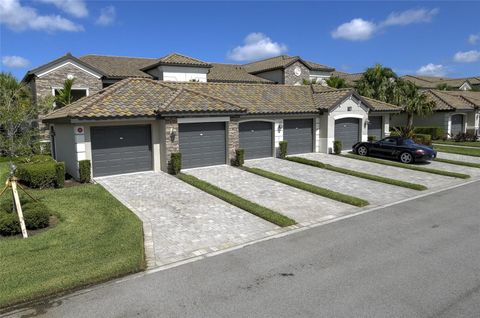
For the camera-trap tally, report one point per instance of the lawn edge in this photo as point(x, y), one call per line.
point(459, 163)
point(363, 175)
point(457, 150)
point(337, 196)
point(233, 199)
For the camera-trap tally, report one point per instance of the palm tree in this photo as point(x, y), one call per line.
point(415, 102)
point(336, 82)
point(379, 83)
point(64, 95)
point(444, 87)
point(310, 81)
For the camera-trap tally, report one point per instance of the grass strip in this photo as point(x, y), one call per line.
point(363, 175)
point(408, 166)
point(458, 150)
point(458, 143)
point(459, 163)
point(255, 209)
point(310, 187)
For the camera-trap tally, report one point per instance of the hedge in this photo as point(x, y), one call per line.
point(435, 132)
point(239, 157)
point(337, 147)
point(38, 175)
point(35, 214)
point(84, 170)
point(60, 174)
point(283, 148)
point(175, 163)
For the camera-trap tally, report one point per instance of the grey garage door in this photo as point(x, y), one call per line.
point(202, 144)
point(256, 139)
point(347, 131)
point(299, 135)
point(375, 127)
point(457, 124)
point(121, 149)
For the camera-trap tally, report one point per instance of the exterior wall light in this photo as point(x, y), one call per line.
point(280, 127)
point(173, 134)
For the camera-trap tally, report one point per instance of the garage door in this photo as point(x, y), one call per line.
point(256, 139)
point(457, 124)
point(121, 149)
point(347, 131)
point(375, 127)
point(299, 135)
point(202, 144)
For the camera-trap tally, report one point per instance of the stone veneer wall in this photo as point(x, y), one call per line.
point(171, 124)
point(291, 78)
point(233, 137)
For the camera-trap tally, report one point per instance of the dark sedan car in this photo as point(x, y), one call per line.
point(403, 149)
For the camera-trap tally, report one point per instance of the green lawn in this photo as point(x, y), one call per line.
point(408, 166)
point(97, 239)
point(458, 150)
point(455, 143)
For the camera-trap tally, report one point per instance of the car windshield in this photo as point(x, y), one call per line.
point(408, 142)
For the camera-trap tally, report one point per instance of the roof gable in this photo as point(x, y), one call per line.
point(282, 62)
point(175, 59)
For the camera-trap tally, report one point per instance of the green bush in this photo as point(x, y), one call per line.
point(38, 175)
point(423, 139)
point(239, 157)
point(371, 138)
point(36, 215)
point(283, 149)
point(35, 159)
point(337, 147)
point(463, 137)
point(435, 132)
point(84, 170)
point(9, 224)
point(175, 163)
point(60, 174)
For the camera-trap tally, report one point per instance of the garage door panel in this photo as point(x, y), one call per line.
point(299, 135)
point(202, 144)
point(121, 149)
point(347, 131)
point(256, 137)
point(375, 127)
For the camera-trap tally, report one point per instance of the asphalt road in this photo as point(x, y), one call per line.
point(417, 259)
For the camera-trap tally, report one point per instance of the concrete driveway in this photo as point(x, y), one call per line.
point(304, 207)
point(181, 221)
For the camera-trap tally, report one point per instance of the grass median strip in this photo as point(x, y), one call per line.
point(408, 166)
point(310, 187)
point(474, 152)
point(459, 163)
point(458, 143)
point(255, 209)
point(363, 175)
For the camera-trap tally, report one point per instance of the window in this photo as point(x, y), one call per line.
point(77, 93)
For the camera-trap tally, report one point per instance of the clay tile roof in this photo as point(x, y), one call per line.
point(177, 59)
point(454, 100)
point(119, 66)
point(282, 61)
point(232, 73)
point(350, 78)
point(377, 105)
point(434, 81)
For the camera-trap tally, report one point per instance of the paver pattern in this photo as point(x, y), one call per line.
point(304, 207)
point(375, 192)
point(453, 156)
point(473, 172)
point(430, 180)
point(181, 221)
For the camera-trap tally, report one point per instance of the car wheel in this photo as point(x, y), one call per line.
point(406, 157)
point(362, 151)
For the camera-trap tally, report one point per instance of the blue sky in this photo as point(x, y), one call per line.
point(429, 38)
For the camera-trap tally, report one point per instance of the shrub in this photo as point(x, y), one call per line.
point(435, 132)
point(283, 149)
point(423, 139)
point(84, 171)
point(371, 138)
point(38, 175)
point(35, 159)
point(60, 174)
point(175, 163)
point(468, 136)
point(36, 215)
point(9, 224)
point(337, 147)
point(239, 157)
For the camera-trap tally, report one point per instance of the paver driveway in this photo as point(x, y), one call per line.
point(454, 156)
point(430, 180)
point(181, 221)
point(304, 207)
point(375, 192)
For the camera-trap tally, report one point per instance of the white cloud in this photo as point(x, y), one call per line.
point(467, 57)
point(473, 38)
point(107, 16)
point(360, 30)
point(15, 61)
point(256, 46)
point(20, 18)
point(76, 8)
point(410, 16)
point(355, 30)
point(432, 70)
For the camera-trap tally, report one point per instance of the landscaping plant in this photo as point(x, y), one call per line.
point(337, 147)
point(84, 169)
point(175, 163)
point(283, 149)
point(239, 157)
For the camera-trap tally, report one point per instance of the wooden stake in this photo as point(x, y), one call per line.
point(13, 183)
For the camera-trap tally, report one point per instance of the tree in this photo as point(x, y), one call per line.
point(379, 83)
point(413, 100)
point(336, 82)
point(64, 95)
point(310, 81)
point(18, 115)
point(445, 87)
